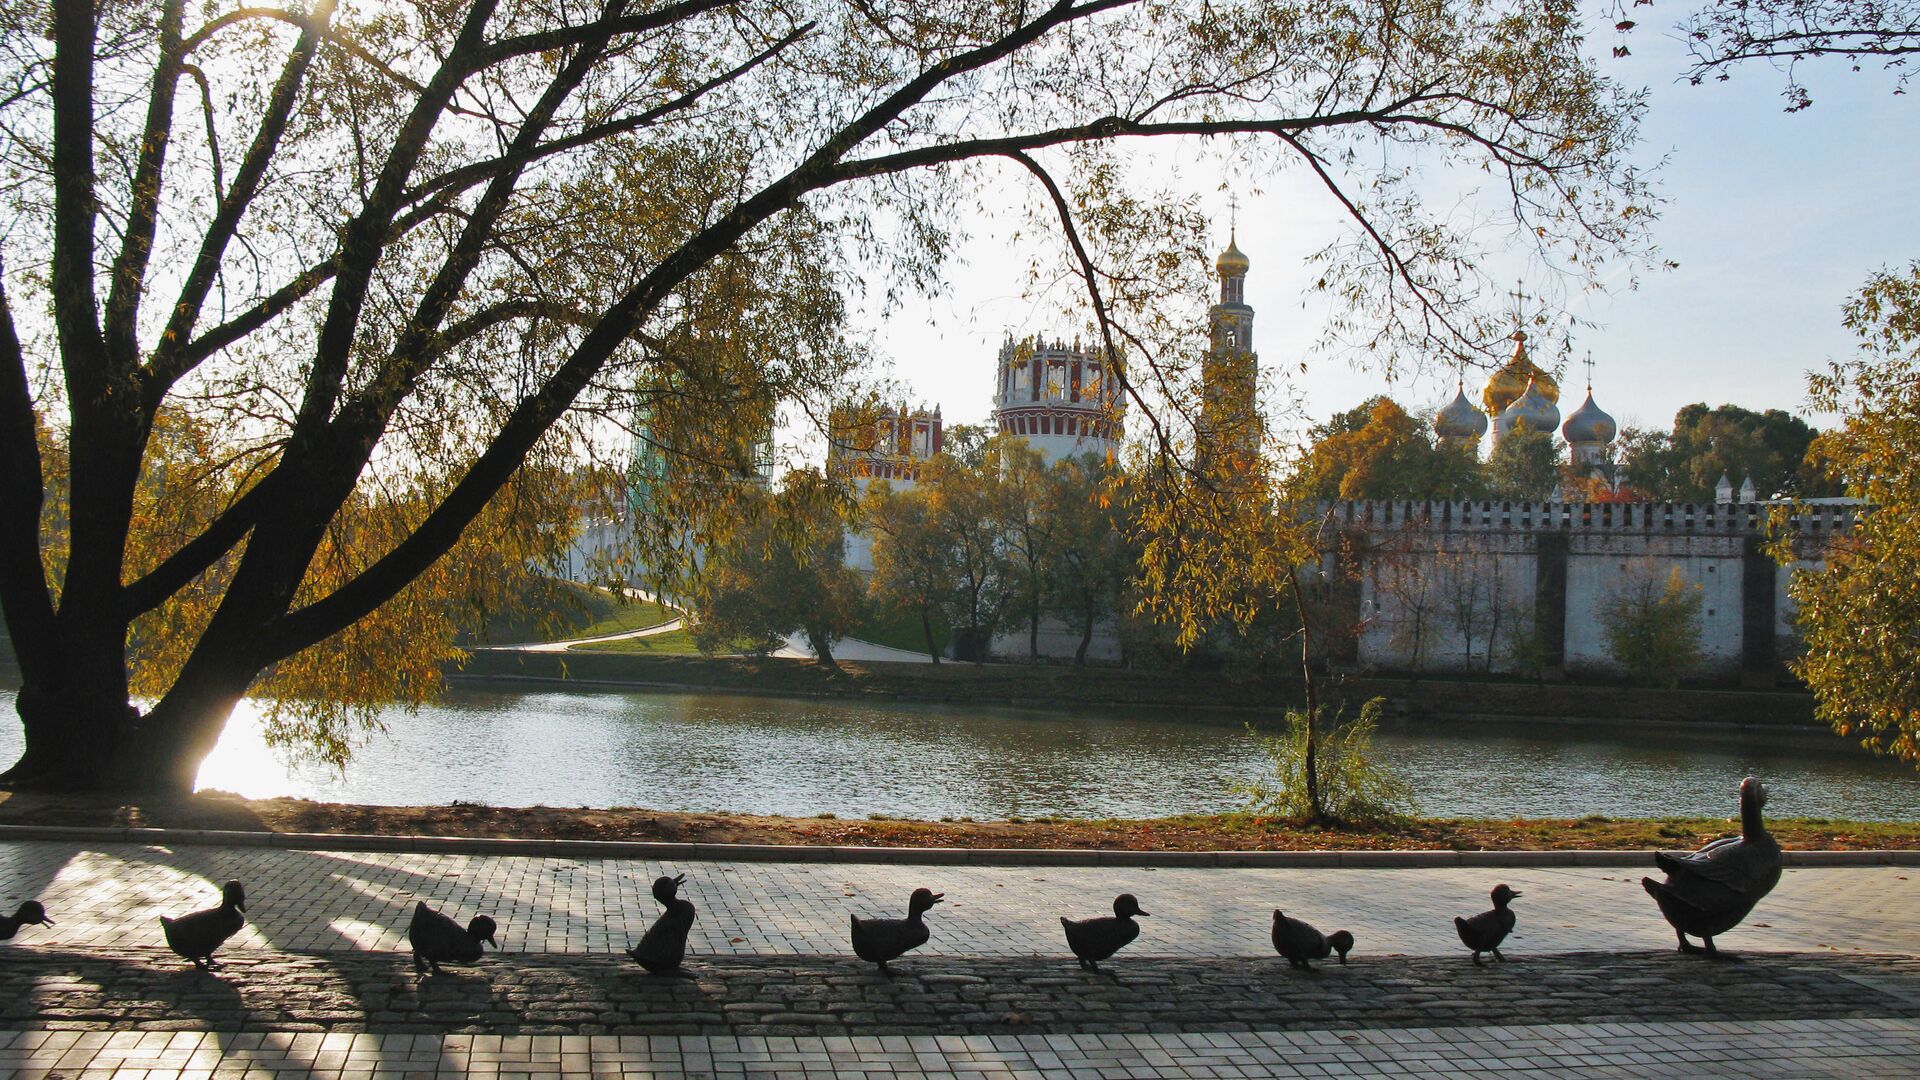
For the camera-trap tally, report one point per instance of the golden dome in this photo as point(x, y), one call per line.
point(1232, 261)
point(1510, 380)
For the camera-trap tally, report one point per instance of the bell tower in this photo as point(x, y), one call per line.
point(1228, 433)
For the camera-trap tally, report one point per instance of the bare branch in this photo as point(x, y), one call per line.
point(165, 366)
point(136, 245)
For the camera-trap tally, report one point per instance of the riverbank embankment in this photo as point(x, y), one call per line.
point(1182, 692)
point(216, 814)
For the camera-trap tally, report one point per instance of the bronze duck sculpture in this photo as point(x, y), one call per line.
point(27, 914)
point(1484, 932)
point(1301, 943)
point(664, 944)
point(1708, 892)
point(1093, 940)
point(196, 934)
point(880, 940)
point(437, 939)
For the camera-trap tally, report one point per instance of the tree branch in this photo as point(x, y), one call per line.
point(442, 527)
point(75, 318)
point(166, 364)
point(24, 596)
point(466, 176)
point(136, 245)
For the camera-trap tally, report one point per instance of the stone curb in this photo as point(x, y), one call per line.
point(677, 852)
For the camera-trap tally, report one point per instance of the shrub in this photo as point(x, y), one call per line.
point(1355, 788)
point(1653, 627)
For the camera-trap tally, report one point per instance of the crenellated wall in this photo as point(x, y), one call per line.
point(1504, 586)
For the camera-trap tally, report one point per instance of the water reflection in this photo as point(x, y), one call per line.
point(713, 752)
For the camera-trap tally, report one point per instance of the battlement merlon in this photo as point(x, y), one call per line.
point(1809, 520)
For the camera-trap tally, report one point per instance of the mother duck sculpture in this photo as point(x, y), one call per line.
point(1093, 940)
point(196, 934)
point(664, 944)
point(1708, 892)
point(880, 940)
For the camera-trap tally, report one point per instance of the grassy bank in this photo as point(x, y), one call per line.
point(1018, 684)
point(1188, 833)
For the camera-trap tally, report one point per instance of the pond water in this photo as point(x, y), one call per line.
point(714, 752)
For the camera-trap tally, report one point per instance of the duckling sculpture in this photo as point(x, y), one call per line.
point(196, 934)
point(1708, 892)
point(438, 940)
point(664, 944)
point(1301, 943)
point(1093, 940)
point(1484, 932)
point(27, 914)
point(880, 940)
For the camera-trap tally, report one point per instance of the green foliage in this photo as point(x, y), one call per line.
point(899, 628)
point(1378, 450)
point(1525, 465)
point(1684, 465)
point(1355, 788)
point(1860, 615)
point(1089, 559)
point(1652, 625)
point(782, 574)
point(913, 566)
point(542, 608)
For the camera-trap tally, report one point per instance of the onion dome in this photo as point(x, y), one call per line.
point(1232, 261)
point(1510, 380)
point(1533, 409)
point(1590, 424)
point(1458, 419)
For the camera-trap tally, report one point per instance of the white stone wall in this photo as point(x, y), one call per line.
point(1599, 565)
point(1446, 601)
point(1426, 567)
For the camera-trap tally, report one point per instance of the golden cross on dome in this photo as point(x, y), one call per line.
point(1589, 363)
point(1233, 216)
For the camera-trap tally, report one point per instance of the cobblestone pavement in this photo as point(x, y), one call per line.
point(1816, 1048)
point(111, 895)
point(319, 983)
point(557, 993)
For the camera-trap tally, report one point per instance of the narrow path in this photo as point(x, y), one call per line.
point(854, 649)
point(112, 895)
point(319, 981)
point(667, 627)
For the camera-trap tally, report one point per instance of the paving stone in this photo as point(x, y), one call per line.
point(329, 900)
point(596, 994)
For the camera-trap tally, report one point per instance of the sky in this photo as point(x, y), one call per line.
point(1774, 219)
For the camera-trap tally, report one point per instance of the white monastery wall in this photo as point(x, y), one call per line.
point(1446, 586)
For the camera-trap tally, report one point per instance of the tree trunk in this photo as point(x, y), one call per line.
point(1086, 639)
point(823, 650)
point(1315, 812)
point(1033, 631)
point(926, 627)
point(83, 735)
point(73, 706)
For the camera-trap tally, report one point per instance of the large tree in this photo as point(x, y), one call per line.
point(1860, 613)
point(393, 252)
point(1378, 450)
point(783, 573)
point(1686, 463)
